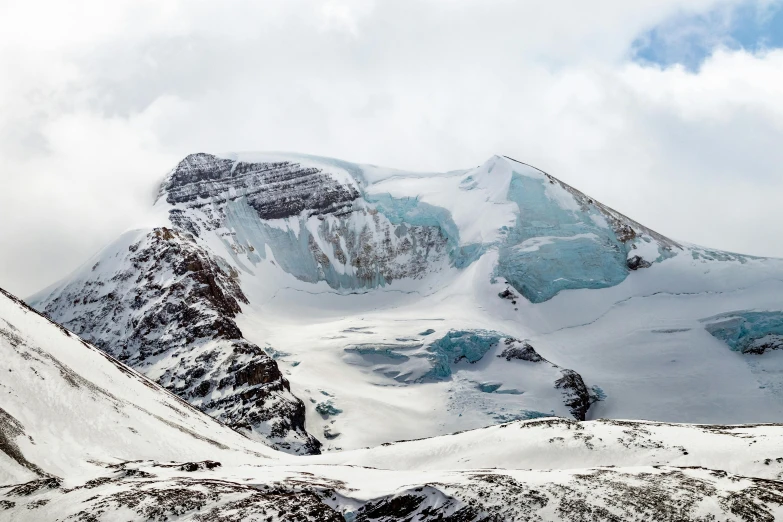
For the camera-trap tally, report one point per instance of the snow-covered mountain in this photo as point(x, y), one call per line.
point(311, 302)
point(285, 305)
point(85, 438)
point(166, 305)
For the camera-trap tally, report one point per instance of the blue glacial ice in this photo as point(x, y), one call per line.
point(327, 409)
point(418, 362)
point(748, 331)
point(597, 394)
point(385, 239)
point(495, 387)
point(551, 248)
point(489, 387)
point(521, 415)
point(410, 211)
point(383, 352)
point(458, 345)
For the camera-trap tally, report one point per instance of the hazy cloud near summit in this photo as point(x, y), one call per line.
point(98, 100)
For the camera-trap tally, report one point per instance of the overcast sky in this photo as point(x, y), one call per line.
point(670, 111)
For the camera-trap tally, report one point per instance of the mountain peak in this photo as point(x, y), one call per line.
point(248, 239)
point(275, 190)
point(499, 205)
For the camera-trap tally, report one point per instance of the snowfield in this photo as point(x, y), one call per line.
point(86, 438)
point(292, 317)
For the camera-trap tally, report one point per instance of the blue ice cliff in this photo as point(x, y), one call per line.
point(748, 331)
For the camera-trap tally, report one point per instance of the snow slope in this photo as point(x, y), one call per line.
point(384, 300)
point(68, 409)
point(161, 303)
point(83, 437)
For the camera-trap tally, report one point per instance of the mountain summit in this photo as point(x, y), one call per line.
point(316, 304)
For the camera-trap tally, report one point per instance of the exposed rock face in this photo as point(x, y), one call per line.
point(329, 233)
point(520, 350)
point(764, 344)
point(168, 310)
point(575, 393)
point(10, 428)
point(636, 262)
point(576, 396)
point(665, 494)
point(274, 190)
point(140, 495)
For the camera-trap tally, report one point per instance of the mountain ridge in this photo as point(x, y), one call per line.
point(500, 251)
point(287, 305)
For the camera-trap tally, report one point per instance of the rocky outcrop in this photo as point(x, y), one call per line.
point(141, 495)
point(765, 344)
point(167, 309)
point(10, 428)
point(274, 189)
point(636, 262)
point(520, 350)
point(575, 393)
point(660, 493)
point(576, 396)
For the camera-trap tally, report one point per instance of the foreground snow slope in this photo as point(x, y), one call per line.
point(68, 409)
point(547, 444)
point(83, 437)
point(298, 298)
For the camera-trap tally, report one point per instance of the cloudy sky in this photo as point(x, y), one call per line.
point(670, 111)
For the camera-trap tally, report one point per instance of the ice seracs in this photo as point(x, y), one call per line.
point(68, 409)
point(748, 331)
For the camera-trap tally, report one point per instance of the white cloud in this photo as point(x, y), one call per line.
point(102, 101)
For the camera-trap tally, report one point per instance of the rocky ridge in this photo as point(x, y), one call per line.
point(275, 190)
point(167, 309)
point(576, 395)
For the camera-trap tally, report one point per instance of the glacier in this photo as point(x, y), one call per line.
point(560, 239)
point(559, 244)
point(748, 331)
point(458, 345)
point(553, 249)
